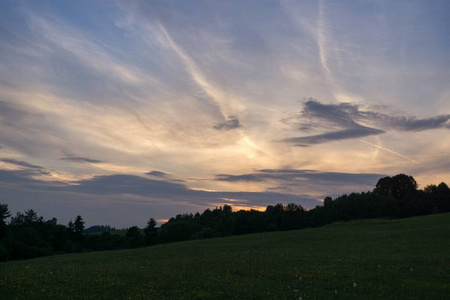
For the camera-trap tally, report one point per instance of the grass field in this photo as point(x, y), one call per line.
point(379, 259)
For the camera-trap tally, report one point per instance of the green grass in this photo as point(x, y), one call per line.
point(400, 259)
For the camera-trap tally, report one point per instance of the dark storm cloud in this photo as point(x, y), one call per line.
point(81, 160)
point(347, 121)
point(230, 124)
point(303, 177)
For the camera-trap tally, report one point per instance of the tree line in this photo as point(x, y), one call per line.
point(27, 235)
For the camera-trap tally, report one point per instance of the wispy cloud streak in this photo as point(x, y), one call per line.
point(303, 177)
point(390, 151)
point(226, 105)
point(92, 54)
point(81, 160)
point(322, 39)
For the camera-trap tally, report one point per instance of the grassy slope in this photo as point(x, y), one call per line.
point(400, 259)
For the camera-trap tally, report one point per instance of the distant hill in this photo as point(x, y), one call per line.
point(371, 259)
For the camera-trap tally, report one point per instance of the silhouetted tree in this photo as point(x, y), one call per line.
point(78, 225)
point(430, 189)
point(249, 222)
point(4, 249)
point(29, 236)
point(384, 186)
point(396, 186)
point(70, 227)
point(134, 237)
point(27, 218)
point(293, 217)
point(76, 236)
point(150, 231)
point(274, 216)
point(442, 197)
point(133, 232)
point(327, 202)
point(177, 230)
point(4, 214)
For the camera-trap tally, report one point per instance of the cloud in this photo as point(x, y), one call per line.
point(212, 90)
point(15, 178)
point(241, 178)
point(263, 199)
point(20, 163)
point(126, 187)
point(24, 180)
point(166, 191)
point(157, 174)
point(13, 115)
point(27, 128)
point(126, 200)
point(311, 183)
point(29, 169)
point(303, 177)
point(129, 184)
point(357, 132)
point(348, 121)
point(86, 49)
point(402, 123)
point(230, 124)
point(175, 191)
point(164, 176)
point(81, 160)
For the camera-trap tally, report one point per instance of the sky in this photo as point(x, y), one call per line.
point(119, 111)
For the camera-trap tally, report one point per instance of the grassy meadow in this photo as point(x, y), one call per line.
point(375, 259)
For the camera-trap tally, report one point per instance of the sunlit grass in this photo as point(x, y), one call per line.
point(401, 259)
